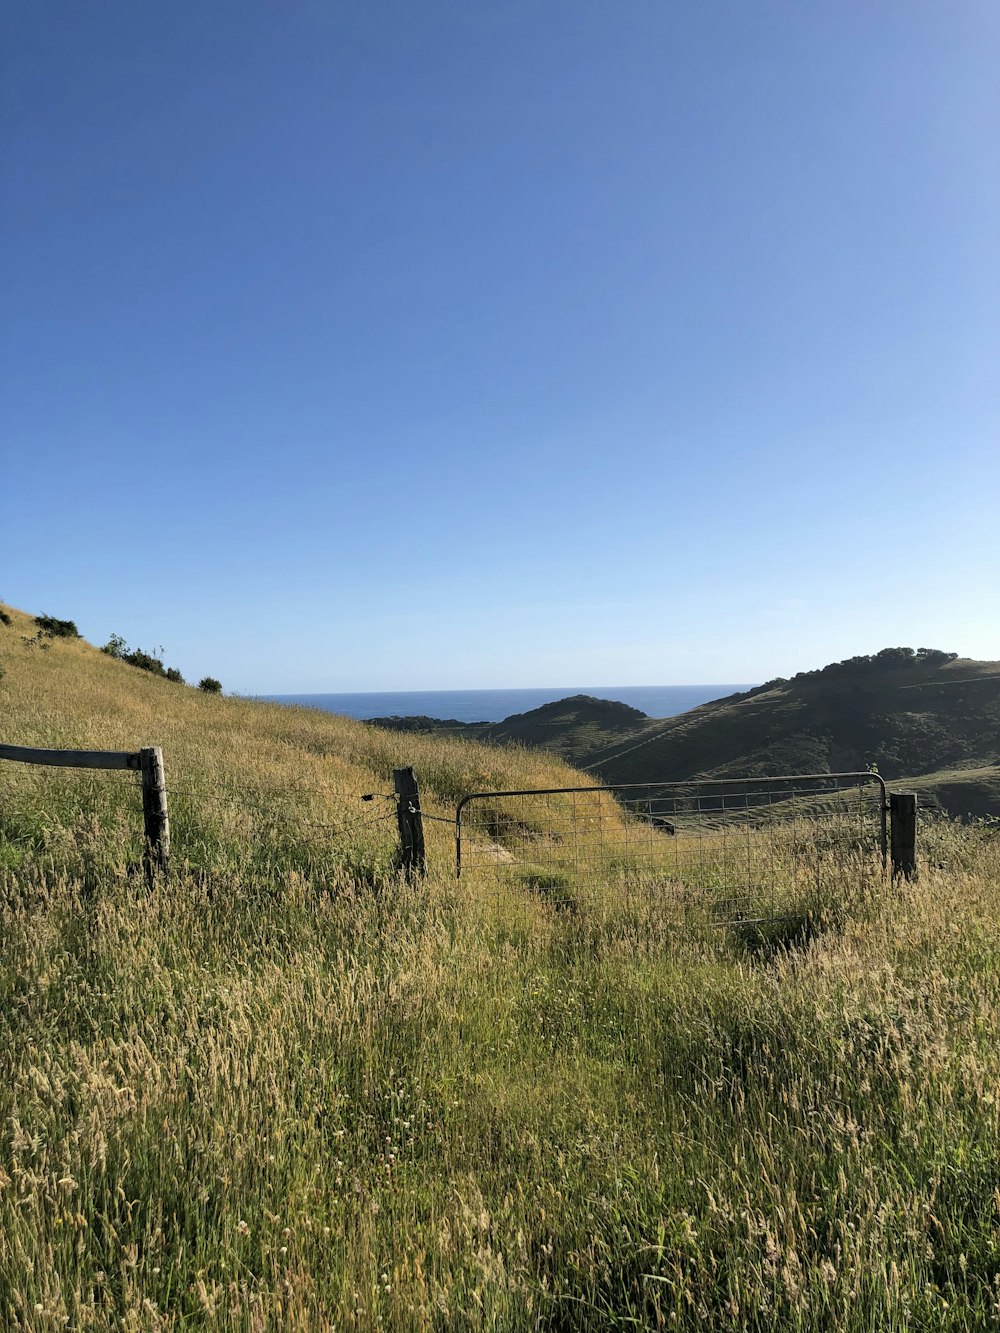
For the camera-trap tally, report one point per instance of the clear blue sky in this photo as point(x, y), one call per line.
point(389, 345)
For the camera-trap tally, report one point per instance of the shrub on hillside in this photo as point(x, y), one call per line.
point(145, 662)
point(117, 648)
point(935, 655)
point(5, 617)
point(210, 685)
point(56, 628)
point(886, 659)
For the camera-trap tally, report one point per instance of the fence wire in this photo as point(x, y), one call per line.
point(265, 831)
point(253, 831)
point(748, 848)
point(751, 848)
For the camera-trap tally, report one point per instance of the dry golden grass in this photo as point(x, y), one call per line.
point(288, 1093)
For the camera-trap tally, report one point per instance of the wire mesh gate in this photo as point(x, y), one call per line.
point(752, 847)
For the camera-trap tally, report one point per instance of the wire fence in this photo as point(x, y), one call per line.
point(751, 848)
point(64, 809)
point(262, 833)
point(948, 842)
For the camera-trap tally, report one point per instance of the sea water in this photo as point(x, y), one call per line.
point(495, 705)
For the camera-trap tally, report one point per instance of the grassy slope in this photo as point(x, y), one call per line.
point(266, 1098)
point(73, 694)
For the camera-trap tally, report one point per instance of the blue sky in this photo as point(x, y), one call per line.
point(452, 345)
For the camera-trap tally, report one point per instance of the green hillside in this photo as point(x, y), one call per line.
point(924, 716)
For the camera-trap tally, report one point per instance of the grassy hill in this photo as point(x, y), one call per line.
point(916, 718)
point(289, 1089)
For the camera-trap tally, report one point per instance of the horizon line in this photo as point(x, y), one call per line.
point(510, 689)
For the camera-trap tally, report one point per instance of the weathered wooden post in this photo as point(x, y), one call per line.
point(903, 833)
point(156, 858)
point(411, 824)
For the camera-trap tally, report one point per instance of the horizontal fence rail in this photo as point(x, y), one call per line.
point(106, 759)
point(749, 845)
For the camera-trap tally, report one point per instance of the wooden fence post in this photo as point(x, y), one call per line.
point(903, 833)
point(411, 824)
point(156, 858)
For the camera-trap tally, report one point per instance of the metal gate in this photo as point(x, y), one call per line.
point(748, 842)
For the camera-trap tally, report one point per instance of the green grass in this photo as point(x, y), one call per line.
point(290, 1090)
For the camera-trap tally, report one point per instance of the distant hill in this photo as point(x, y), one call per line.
point(928, 718)
point(910, 714)
point(572, 728)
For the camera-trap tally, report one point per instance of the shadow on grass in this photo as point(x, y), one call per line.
point(551, 886)
point(773, 937)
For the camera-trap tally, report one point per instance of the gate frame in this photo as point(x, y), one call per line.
point(874, 778)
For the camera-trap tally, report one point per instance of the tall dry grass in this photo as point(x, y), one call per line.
point(291, 1095)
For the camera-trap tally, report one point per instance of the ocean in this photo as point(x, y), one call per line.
point(495, 705)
